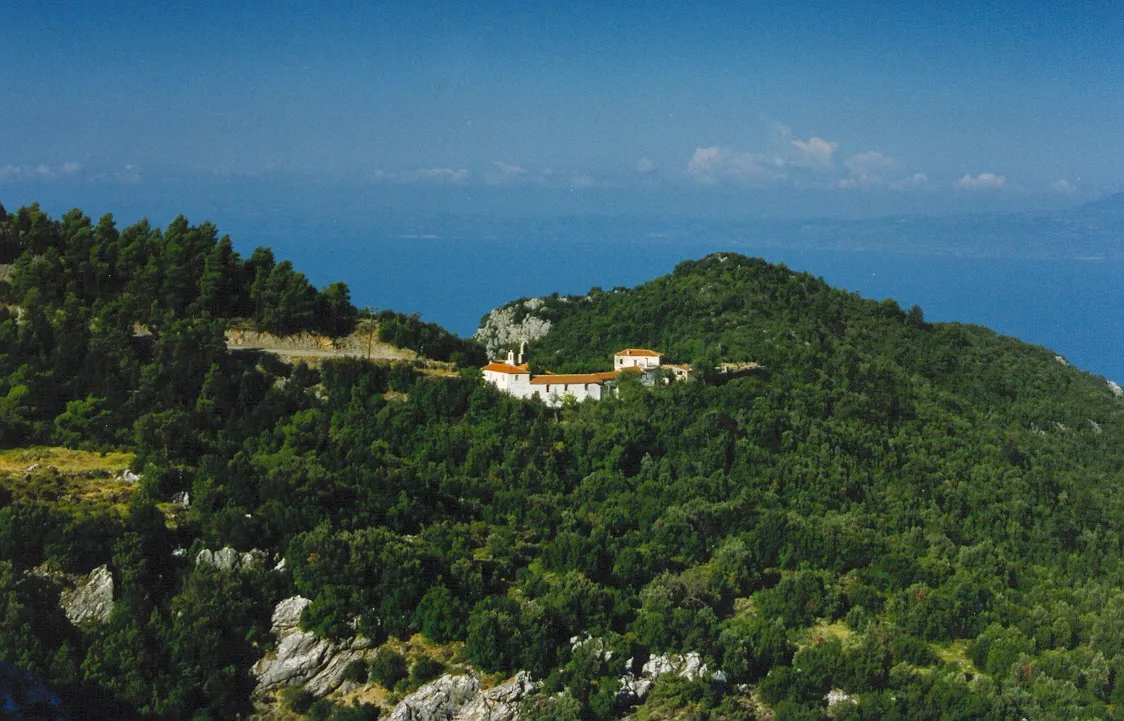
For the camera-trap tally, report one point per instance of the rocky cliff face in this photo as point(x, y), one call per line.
point(228, 559)
point(459, 698)
point(91, 600)
point(511, 325)
point(302, 657)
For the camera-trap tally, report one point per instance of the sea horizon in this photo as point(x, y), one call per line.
point(453, 274)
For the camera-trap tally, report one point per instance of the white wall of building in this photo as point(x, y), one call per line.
point(555, 394)
point(637, 361)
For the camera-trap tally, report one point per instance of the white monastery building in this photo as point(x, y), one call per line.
point(636, 358)
point(514, 378)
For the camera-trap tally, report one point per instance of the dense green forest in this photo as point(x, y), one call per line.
point(925, 516)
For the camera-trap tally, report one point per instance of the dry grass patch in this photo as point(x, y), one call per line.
point(370, 694)
point(438, 371)
point(957, 653)
point(65, 460)
point(824, 631)
point(744, 606)
point(418, 645)
point(65, 476)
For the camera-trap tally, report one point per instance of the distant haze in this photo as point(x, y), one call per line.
point(733, 110)
point(446, 157)
point(1049, 279)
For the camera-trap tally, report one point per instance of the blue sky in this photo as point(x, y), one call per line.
point(727, 108)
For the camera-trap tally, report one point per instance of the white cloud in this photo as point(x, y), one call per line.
point(917, 180)
point(508, 169)
point(501, 173)
point(39, 172)
point(438, 175)
point(1063, 186)
point(983, 181)
point(424, 175)
point(706, 162)
point(867, 169)
point(645, 166)
point(807, 163)
point(784, 159)
point(815, 152)
point(871, 164)
point(129, 175)
point(709, 165)
point(231, 171)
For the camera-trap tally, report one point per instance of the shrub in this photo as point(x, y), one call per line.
point(425, 669)
point(356, 671)
point(912, 650)
point(301, 701)
point(387, 668)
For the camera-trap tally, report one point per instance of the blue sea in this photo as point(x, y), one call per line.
point(453, 271)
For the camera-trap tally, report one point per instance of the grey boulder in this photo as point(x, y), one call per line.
point(92, 600)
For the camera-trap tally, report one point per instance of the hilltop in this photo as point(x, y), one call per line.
point(898, 518)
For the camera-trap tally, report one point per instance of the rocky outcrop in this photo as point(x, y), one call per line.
point(92, 600)
point(501, 329)
point(438, 700)
point(689, 666)
point(228, 559)
point(837, 696)
point(458, 698)
point(302, 657)
point(634, 688)
point(500, 703)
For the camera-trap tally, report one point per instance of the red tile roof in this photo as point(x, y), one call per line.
point(574, 379)
point(639, 352)
point(506, 368)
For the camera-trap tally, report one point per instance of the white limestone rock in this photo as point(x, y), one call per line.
point(500, 329)
point(228, 559)
point(633, 690)
point(689, 666)
point(338, 658)
point(302, 657)
point(438, 700)
point(500, 703)
point(92, 600)
point(837, 696)
point(459, 698)
point(595, 645)
point(287, 614)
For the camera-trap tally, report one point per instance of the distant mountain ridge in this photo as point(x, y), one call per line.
point(1112, 203)
point(1091, 231)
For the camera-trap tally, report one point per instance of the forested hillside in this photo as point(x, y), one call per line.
point(925, 518)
